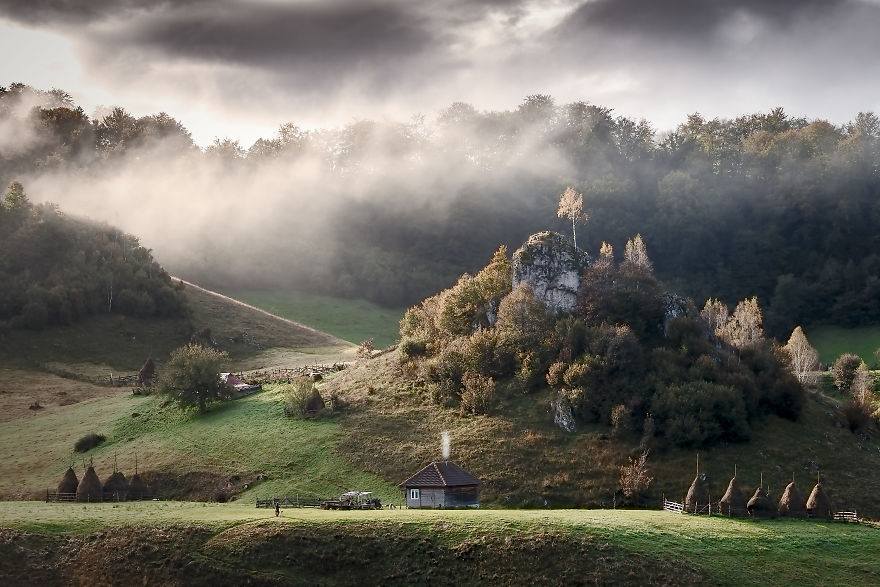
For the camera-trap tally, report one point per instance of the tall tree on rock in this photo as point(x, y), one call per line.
point(571, 206)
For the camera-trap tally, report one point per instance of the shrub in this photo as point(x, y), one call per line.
point(365, 349)
point(620, 419)
point(844, 370)
point(634, 478)
point(88, 442)
point(296, 396)
point(699, 412)
point(411, 347)
point(555, 373)
point(476, 394)
point(858, 411)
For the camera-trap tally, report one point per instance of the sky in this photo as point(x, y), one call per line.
point(241, 68)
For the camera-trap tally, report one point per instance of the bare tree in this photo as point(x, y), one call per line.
point(804, 358)
point(571, 206)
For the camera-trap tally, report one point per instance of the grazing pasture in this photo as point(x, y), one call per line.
point(659, 547)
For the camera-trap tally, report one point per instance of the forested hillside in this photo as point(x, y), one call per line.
point(766, 204)
point(56, 269)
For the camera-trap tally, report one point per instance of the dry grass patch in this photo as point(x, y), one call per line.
point(20, 388)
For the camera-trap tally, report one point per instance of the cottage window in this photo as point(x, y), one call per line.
point(414, 494)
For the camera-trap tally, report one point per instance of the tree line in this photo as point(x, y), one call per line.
point(771, 205)
point(56, 269)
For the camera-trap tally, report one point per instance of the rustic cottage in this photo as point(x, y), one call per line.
point(442, 485)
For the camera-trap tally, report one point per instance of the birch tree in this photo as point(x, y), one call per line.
point(571, 206)
point(804, 358)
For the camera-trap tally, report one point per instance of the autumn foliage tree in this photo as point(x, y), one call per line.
point(804, 358)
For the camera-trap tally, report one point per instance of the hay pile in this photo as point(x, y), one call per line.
point(818, 504)
point(137, 489)
point(734, 502)
point(68, 483)
point(697, 499)
point(792, 504)
point(147, 372)
point(89, 488)
point(760, 506)
point(117, 486)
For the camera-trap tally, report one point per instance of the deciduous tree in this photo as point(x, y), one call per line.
point(804, 358)
point(571, 206)
point(192, 376)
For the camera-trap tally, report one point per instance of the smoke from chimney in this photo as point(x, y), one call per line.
point(445, 444)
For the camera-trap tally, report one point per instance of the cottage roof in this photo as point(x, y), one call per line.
point(441, 474)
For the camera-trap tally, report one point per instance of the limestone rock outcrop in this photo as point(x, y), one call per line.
point(550, 264)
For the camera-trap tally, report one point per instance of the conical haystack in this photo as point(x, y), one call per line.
point(792, 504)
point(697, 499)
point(116, 486)
point(818, 504)
point(760, 506)
point(147, 372)
point(137, 489)
point(69, 482)
point(734, 502)
point(89, 488)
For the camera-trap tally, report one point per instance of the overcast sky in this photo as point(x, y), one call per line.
point(240, 68)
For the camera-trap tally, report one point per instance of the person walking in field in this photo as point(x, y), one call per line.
point(277, 509)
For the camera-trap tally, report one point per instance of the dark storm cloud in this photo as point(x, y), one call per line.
point(692, 19)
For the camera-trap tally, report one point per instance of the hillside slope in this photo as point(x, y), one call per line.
point(525, 460)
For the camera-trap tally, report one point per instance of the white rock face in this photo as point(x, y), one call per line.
point(552, 267)
point(562, 414)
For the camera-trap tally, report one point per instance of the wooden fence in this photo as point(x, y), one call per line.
point(293, 502)
point(107, 381)
point(109, 496)
point(673, 506)
point(846, 516)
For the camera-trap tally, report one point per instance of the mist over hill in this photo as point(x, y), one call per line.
point(766, 204)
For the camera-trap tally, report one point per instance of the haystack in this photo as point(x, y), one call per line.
point(137, 489)
point(69, 482)
point(116, 485)
point(734, 502)
point(697, 499)
point(792, 504)
point(760, 506)
point(147, 372)
point(89, 488)
point(818, 504)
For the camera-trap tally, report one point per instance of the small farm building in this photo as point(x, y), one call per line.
point(442, 485)
point(237, 385)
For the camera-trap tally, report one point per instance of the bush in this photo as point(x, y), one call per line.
point(844, 370)
point(699, 412)
point(411, 347)
point(88, 442)
point(858, 411)
point(365, 349)
point(476, 394)
point(634, 478)
point(296, 397)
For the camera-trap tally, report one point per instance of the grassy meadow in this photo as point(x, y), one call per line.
point(350, 320)
point(712, 550)
point(234, 443)
point(833, 341)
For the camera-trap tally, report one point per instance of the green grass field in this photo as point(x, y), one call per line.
point(351, 320)
point(722, 551)
point(833, 341)
point(237, 441)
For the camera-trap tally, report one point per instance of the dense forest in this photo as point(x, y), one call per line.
point(769, 205)
point(56, 269)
